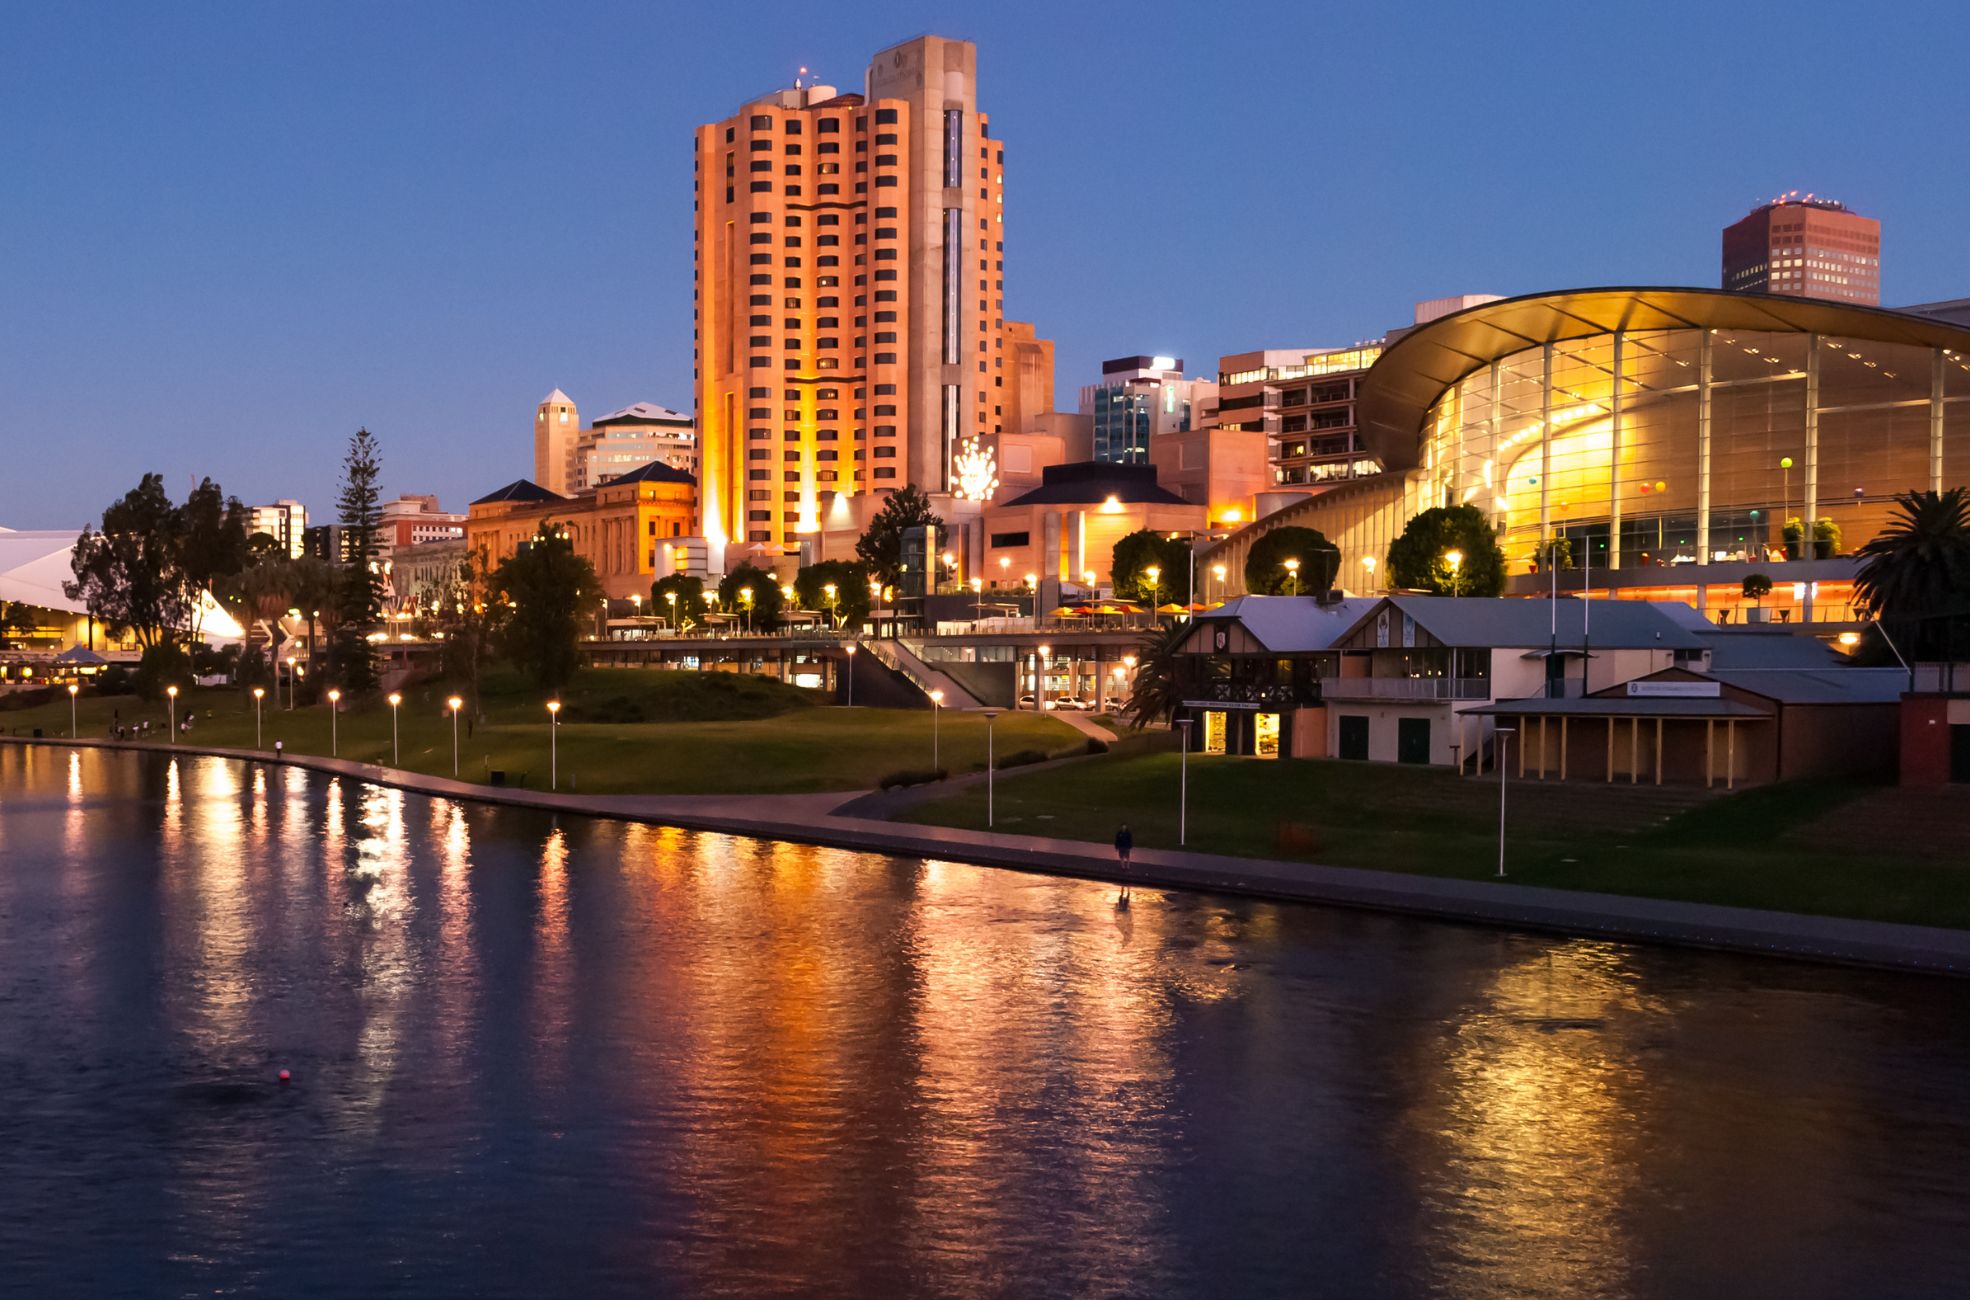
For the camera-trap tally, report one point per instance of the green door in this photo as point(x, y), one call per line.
point(1353, 736)
point(1412, 740)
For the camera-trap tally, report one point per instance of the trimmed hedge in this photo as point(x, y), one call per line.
point(911, 776)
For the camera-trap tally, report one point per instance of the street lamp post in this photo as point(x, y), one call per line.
point(454, 704)
point(745, 595)
point(73, 689)
point(334, 712)
point(936, 710)
point(1785, 467)
point(1504, 735)
point(1155, 576)
point(834, 605)
point(1218, 571)
point(259, 693)
point(172, 693)
point(290, 684)
point(396, 754)
point(991, 767)
point(978, 594)
point(851, 676)
point(1040, 664)
point(1293, 574)
point(1183, 784)
point(1455, 559)
point(1368, 563)
point(554, 744)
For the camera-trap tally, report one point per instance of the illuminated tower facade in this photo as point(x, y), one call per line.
point(557, 427)
point(1804, 246)
point(850, 282)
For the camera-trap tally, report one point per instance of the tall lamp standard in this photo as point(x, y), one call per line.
point(936, 709)
point(1504, 735)
point(745, 597)
point(1183, 784)
point(290, 684)
point(1040, 666)
point(172, 693)
point(834, 605)
point(991, 767)
point(73, 689)
point(1455, 559)
point(259, 693)
point(1785, 467)
point(1368, 563)
point(554, 744)
point(334, 712)
point(1155, 576)
point(454, 704)
point(978, 594)
point(1293, 575)
point(851, 676)
point(396, 758)
point(1218, 571)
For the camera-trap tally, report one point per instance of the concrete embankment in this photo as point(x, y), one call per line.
point(812, 819)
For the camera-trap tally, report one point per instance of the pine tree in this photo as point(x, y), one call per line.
point(359, 605)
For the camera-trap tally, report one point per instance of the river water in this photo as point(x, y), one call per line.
point(556, 1056)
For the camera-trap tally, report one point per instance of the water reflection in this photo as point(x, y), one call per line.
point(531, 1053)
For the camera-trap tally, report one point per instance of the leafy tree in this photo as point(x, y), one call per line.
point(1915, 573)
point(1266, 573)
point(851, 582)
point(881, 548)
point(147, 571)
point(126, 575)
point(1133, 556)
point(359, 603)
point(161, 665)
point(15, 617)
point(469, 625)
point(688, 608)
point(763, 612)
point(1757, 586)
point(549, 591)
point(1416, 561)
point(1154, 697)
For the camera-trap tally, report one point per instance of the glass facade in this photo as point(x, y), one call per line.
point(1662, 447)
point(1122, 419)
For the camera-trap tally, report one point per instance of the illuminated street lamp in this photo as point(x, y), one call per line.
point(991, 767)
point(936, 708)
point(745, 597)
point(1218, 571)
point(395, 754)
point(259, 693)
point(851, 675)
point(334, 711)
point(978, 594)
point(1293, 574)
point(1455, 559)
point(834, 605)
point(290, 683)
point(670, 597)
point(554, 744)
point(1155, 575)
point(172, 692)
point(454, 704)
point(1040, 666)
point(72, 690)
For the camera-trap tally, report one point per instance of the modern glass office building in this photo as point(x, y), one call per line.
point(1669, 436)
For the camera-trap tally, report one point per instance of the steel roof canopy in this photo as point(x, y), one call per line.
point(1416, 369)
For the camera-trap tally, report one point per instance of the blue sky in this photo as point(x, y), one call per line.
point(232, 233)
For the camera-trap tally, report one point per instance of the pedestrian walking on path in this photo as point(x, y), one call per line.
point(1124, 844)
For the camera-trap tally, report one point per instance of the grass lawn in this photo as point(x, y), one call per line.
point(624, 731)
point(1791, 847)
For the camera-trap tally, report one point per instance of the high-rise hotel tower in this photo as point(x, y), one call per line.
point(850, 280)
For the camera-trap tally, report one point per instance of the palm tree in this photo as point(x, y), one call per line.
point(1154, 695)
point(1916, 571)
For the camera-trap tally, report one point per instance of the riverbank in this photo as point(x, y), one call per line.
point(812, 819)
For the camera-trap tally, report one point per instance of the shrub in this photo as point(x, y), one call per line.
point(1095, 746)
point(164, 664)
point(1022, 758)
point(911, 776)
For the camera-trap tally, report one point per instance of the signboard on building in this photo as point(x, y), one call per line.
point(1675, 690)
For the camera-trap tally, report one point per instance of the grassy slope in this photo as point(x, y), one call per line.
point(1769, 847)
point(736, 734)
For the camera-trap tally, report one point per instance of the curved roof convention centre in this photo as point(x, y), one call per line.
point(1398, 391)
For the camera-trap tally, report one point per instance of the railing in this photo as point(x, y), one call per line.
point(1405, 688)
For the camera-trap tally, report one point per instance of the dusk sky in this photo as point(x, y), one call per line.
point(232, 234)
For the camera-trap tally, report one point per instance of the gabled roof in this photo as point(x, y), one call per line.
point(1477, 622)
point(654, 472)
point(642, 413)
point(1823, 686)
point(520, 489)
point(1292, 624)
point(1091, 482)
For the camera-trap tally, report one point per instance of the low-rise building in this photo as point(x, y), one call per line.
point(622, 527)
point(1067, 527)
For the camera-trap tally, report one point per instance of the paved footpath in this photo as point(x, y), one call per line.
point(812, 819)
